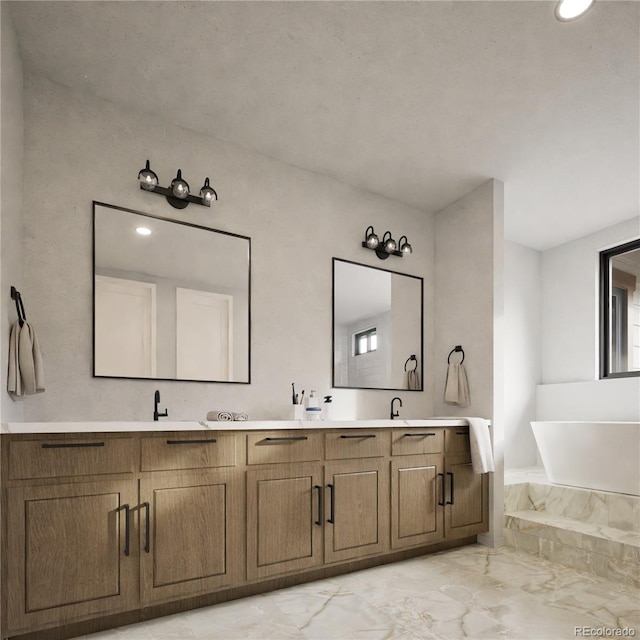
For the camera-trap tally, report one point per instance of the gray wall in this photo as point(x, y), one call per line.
point(571, 388)
point(469, 301)
point(523, 361)
point(84, 148)
point(11, 171)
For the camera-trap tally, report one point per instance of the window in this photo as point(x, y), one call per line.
point(365, 341)
point(620, 311)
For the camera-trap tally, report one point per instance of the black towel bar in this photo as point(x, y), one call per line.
point(457, 349)
point(15, 295)
point(409, 359)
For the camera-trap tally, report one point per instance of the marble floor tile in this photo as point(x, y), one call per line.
point(474, 592)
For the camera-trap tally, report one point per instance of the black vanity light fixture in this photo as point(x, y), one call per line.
point(388, 246)
point(177, 194)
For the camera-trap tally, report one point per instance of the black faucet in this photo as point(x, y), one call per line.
point(156, 413)
point(395, 414)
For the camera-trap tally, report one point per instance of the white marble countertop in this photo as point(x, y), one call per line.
point(194, 425)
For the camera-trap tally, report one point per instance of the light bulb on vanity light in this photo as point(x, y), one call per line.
point(143, 231)
point(180, 187)
point(389, 243)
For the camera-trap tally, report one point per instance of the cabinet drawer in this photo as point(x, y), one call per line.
point(283, 446)
point(70, 457)
point(354, 443)
point(407, 442)
point(457, 440)
point(193, 451)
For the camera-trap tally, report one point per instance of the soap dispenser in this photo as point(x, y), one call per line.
point(327, 408)
point(313, 410)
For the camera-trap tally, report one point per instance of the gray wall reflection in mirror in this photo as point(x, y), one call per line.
point(377, 326)
point(170, 305)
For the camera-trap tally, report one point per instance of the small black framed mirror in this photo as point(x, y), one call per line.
point(377, 328)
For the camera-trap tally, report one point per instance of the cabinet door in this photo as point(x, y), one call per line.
point(284, 523)
point(189, 533)
point(70, 553)
point(357, 509)
point(416, 498)
point(467, 499)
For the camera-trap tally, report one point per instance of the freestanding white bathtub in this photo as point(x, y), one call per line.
point(603, 456)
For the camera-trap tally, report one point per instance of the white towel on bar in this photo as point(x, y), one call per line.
point(456, 387)
point(480, 441)
point(26, 371)
point(240, 416)
point(412, 380)
point(220, 416)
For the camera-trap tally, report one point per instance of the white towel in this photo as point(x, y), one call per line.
point(220, 416)
point(26, 371)
point(240, 416)
point(480, 441)
point(412, 380)
point(456, 387)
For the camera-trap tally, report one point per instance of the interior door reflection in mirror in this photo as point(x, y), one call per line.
point(377, 327)
point(171, 299)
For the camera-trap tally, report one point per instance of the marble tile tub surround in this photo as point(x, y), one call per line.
point(601, 508)
point(471, 592)
point(592, 531)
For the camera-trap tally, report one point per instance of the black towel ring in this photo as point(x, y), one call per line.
point(457, 348)
point(15, 295)
point(409, 359)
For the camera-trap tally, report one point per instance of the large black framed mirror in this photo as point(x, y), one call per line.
point(171, 299)
point(377, 329)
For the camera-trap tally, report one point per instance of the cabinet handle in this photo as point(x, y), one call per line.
point(442, 490)
point(319, 520)
point(286, 439)
point(72, 445)
point(450, 474)
point(418, 435)
point(332, 503)
point(126, 527)
point(207, 441)
point(147, 527)
point(462, 433)
point(366, 435)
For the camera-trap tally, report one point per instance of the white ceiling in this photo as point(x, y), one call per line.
point(418, 101)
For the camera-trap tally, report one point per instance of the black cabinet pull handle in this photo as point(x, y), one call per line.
point(207, 441)
point(126, 527)
point(462, 433)
point(286, 439)
point(365, 435)
point(442, 490)
point(319, 520)
point(147, 527)
point(450, 474)
point(332, 497)
point(72, 445)
point(418, 435)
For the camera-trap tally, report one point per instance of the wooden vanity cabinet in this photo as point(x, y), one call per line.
point(190, 513)
point(467, 499)
point(435, 496)
point(417, 494)
point(69, 550)
point(189, 533)
point(105, 524)
point(356, 509)
point(284, 519)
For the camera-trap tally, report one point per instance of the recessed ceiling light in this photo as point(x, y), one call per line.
point(567, 10)
point(143, 231)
